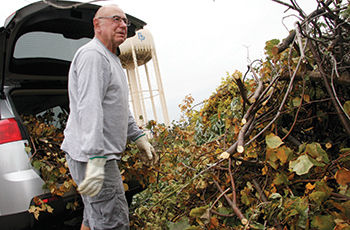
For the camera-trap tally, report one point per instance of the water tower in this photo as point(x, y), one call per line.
point(145, 85)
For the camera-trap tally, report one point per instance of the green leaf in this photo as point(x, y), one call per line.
point(27, 149)
point(125, 158)
point(37, 164)
point(273, 141)
point(316, 163)
point(318, 197)
point(223, 210)
point(315, 150)
point(275, 196)
point(198, 212)
point(183, 223)
point(281, 178)
point(296, 101)
point(322, 222)
point(322, 186)
point(269, 46)
point(301, 165)
point(346, 205)
point(347, 107)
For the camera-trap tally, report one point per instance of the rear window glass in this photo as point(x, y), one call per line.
point(47, 45)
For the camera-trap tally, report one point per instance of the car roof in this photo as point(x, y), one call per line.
point(73, 20)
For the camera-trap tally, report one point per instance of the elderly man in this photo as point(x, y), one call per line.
point(100, 123)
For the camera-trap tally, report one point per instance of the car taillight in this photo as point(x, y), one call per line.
point(9, 131)
point(47, 200)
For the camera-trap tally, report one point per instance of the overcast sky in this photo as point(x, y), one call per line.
point(198, 41)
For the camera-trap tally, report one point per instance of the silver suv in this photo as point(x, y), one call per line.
point(37, 44)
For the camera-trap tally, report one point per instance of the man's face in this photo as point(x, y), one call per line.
point(113, 30)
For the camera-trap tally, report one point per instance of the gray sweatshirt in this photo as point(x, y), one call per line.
point(100, 121)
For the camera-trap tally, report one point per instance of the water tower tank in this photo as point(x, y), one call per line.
point(143, 43)
point(136, 52)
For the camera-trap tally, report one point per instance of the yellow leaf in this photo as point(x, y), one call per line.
point(281, 155)
point(32, 209)
point(306, 98)
point(36, 215)
point(264, 170)
point(309, 186)
point(126, 187)
point(49, 209)
point(214, 221)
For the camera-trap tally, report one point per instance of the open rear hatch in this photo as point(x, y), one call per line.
point(37, 43)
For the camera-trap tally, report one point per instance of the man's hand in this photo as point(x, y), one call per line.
point(148, 155)
point(94, 176)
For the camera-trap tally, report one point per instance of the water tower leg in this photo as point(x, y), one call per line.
point(139, 87)
point(131, 90)
point(160, 88)
point(134, 92)
point(151, 94)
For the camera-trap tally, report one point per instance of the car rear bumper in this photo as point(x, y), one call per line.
point(26, 220)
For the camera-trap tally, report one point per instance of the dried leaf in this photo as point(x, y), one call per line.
point(343, 176)
point(322, 222)
point(63, 170)
point(273, 141)
point(301, 165)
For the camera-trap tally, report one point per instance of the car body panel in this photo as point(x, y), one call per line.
point(19, 182)
point(5, 110)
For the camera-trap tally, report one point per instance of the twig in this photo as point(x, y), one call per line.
point(265, 200)
point(241, 135)
point(203, 171)
point(241, 88)
point(341, 115)
point(217, 199)
point(297, 113)
point(332, 85)
point(238, 212)
point(281, 105)
point(232, 182)
point(35, 151)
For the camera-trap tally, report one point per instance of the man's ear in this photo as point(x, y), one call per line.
point(96, 23)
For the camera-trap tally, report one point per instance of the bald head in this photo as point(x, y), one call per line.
point(107, 10)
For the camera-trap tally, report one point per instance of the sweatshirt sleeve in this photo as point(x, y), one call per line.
point(92, 82)
point(133, 129)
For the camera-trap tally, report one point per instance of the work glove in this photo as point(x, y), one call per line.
point(94, 176)
point(148, 155)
